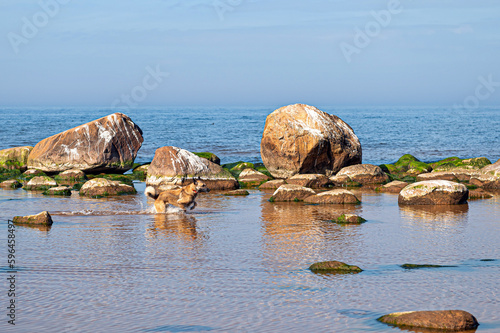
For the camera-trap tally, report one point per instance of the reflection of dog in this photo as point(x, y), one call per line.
point(183, 197)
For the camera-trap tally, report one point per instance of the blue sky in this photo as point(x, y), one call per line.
point(248, 52)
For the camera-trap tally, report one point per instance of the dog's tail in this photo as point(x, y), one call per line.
point(151, 192)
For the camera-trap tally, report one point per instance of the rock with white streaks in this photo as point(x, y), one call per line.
point(109, 144)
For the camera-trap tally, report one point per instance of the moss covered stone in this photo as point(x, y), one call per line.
point(349, 219)
point(456, 162)
point(59, 190)
point(209, 156)
point(334, 267)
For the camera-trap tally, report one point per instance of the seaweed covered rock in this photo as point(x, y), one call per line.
point(40, 183)
point(59, 190)
point(337, 196)
point(334, 267)
point(349, 219)
point(302, 139)
point(459, 163)
point(101, 187)
point(108, 144)
point(364, 174)
point(407, 166)
point(291, 193)
point(434, 192)
point(449, 320)
point(309, 180)
point(176, 166)
point(42, 218)
point(209, 156)
point(251, 177)
point(15, 158)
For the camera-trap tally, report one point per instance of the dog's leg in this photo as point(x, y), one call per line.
point(194, 205)
point(160, 206)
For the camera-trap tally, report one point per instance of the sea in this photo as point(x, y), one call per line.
point(240, 264)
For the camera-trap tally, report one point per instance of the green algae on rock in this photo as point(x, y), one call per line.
point(334, 267)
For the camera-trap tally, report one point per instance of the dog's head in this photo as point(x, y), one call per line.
point(199, 186)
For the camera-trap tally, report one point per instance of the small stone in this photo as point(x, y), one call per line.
point(291, 193)
point(12, 184)
point(101, 187)
point(393, 187)
point(40, 183)
point(349, 219)
point(59, 190)
point(43, 218)
point(71, 175)
point(450, 320)
point(251, 177)
point(440, 175)
point(337, 196)
point(272, 184)
point(237, 193)
point(434, 192)
point(364, 174)
point(334, 267)
point(479, 194)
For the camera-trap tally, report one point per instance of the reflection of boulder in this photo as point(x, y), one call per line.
point(181, 224)
point(435, 215)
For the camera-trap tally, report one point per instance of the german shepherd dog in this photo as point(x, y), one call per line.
point(183, 197)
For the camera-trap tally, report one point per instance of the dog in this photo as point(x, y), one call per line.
point(183, 197)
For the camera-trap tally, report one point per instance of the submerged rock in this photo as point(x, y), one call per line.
point(451, 320)
point(176, 166)
point(15, 158)
point(289, 192)
point(309, 180)
point(334, 267)
point(108, 144)
point(40, 183)
point(418, 266)
point(338, 196)
point(101, 187)
point(364, 174)
point(42, 218)
point(302, 139)
point(434, 192)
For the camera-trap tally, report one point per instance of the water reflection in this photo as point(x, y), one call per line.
point(44, 228)
point(432, 215)
point(183, 225)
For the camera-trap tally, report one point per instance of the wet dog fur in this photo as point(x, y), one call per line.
point(183, 198)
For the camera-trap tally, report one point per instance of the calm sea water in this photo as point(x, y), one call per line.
point(234, 134)
point(239, 264)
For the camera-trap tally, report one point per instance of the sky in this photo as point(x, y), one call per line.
point(249, 52)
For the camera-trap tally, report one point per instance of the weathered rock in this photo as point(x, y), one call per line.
point(15, 158)
point(338, 196)
point(33, 173)
point(494, 168)
point(393, 187)
point(309, 180)
point(343, 181)
point(434, 192)
point(43, 218)
point(364, 174)
point(209, 156)
point(40, 183)
point(12, 184)
point(176, 166)
point(302, 139)
point(237, 193)
point(479, 194)
point(101, 187)
point(439, 175)
point(71, 175)
point(108, 144)
point(486, 180)
point(334, 267)
point(452, 320)
point(289, 192)
point(272, 184)
point(59, 190)
point(349, 219)
point(251, 177)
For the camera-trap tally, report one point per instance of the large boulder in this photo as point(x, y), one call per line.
point(449, 320)
point(364, 174)
point(434, 192)
point(176, 166)
point(15, 158)
point(101, 187)
point(302, 139)
point(309, 180)
point(108, 144)
point(338, 196)
point(289, 192)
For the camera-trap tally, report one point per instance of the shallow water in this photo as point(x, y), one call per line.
point(239, 264)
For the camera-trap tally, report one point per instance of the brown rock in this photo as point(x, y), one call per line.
point(334, 266)
point(59, 190)
point(434, 192)
point(12, 184)
point(479, 194)
point(252, 177)
point(72, 175)
point(439, 175)
point(43, 218)
point(101, 187)
point(338, 196)
point(237, 193)
point(272, 184)
point(343, 180)
point(494, 168)
point(291, 193)
point(176, 166)
point(40, 183)
point(108, 144)
point(309, 180)
point(486, 180)
point(302, 139)
point(393, 187)
point(33, 172)
point(15, 158)
point(452, 320)
point(364, 174)
point(349, 219)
